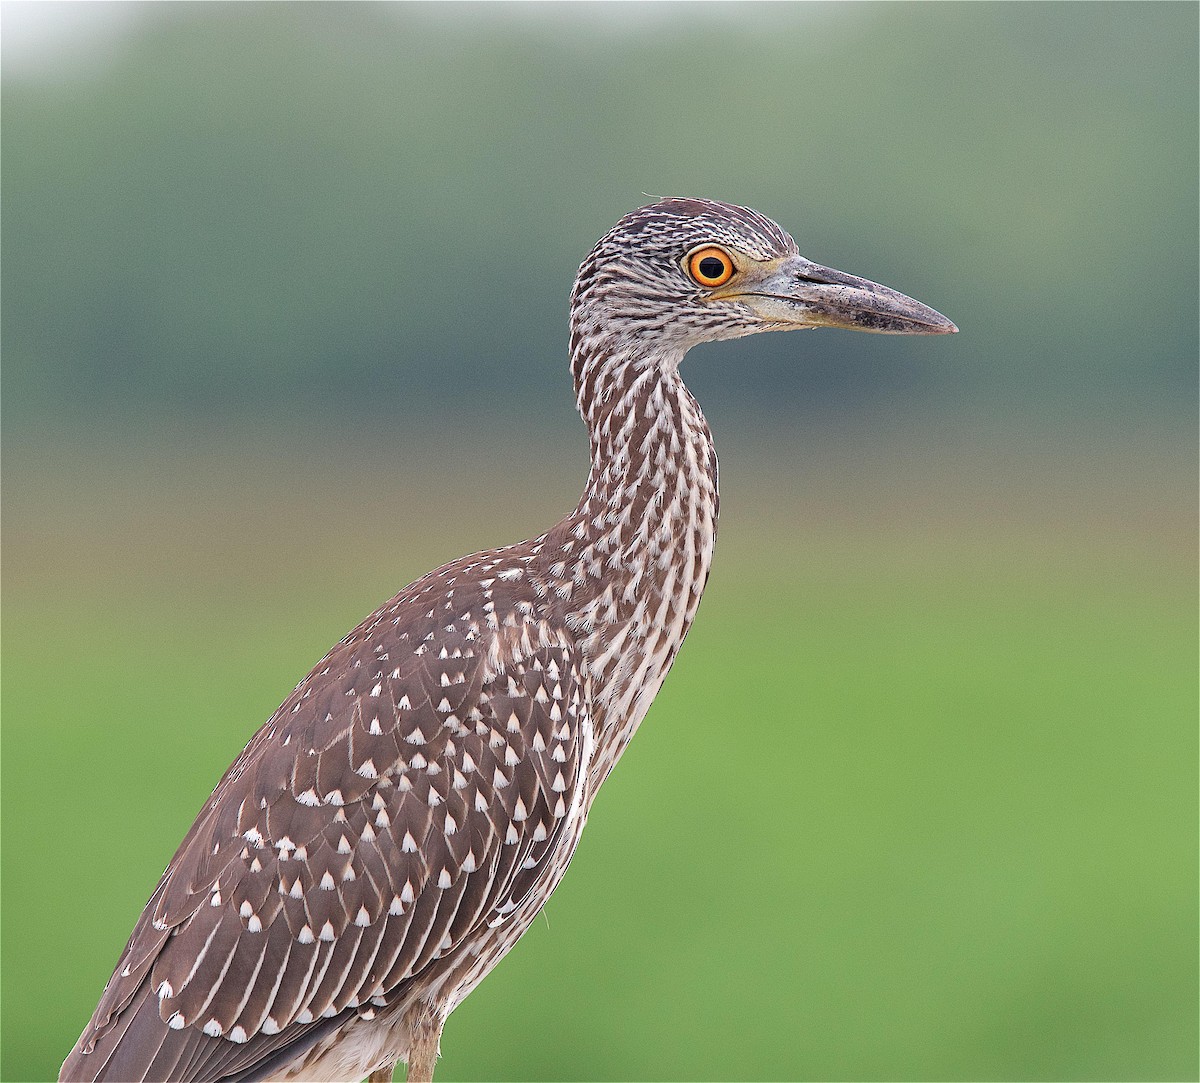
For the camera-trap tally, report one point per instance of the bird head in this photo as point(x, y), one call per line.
point(684, 271)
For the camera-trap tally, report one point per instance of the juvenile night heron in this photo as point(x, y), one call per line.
point(393, 829)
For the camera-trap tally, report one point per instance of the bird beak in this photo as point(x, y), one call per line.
point(794, 292)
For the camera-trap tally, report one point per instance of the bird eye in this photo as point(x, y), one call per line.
point(710, 266)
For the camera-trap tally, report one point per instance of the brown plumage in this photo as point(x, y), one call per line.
point(396, 825)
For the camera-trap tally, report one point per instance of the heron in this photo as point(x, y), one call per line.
point(391, 831)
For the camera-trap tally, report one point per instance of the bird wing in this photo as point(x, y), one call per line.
point(410, 791)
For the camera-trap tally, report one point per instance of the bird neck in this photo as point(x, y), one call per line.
point(653, 463)
point(627, 568)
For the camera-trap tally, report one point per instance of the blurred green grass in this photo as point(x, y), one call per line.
point(917, 802)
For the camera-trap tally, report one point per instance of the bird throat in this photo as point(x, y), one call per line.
point(627, 568)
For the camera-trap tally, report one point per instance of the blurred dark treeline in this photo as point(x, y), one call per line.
point(378, 209)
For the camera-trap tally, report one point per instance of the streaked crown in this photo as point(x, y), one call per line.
point(638, 285)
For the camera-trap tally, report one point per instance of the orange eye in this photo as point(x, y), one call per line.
point(710, 266)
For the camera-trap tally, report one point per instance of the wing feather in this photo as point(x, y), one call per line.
point(406, 796)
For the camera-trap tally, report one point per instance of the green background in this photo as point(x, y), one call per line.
point(284, 326)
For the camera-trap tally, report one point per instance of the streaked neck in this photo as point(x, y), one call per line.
point(627, 568)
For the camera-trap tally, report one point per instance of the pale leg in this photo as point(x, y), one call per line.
point(425, 1034)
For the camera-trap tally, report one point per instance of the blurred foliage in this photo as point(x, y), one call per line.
point(379, 208)
point(918, 800)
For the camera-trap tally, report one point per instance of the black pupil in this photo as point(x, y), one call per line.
point(711, 267)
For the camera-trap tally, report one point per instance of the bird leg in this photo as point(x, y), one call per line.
point(424, 1025)
point(381, 1075)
